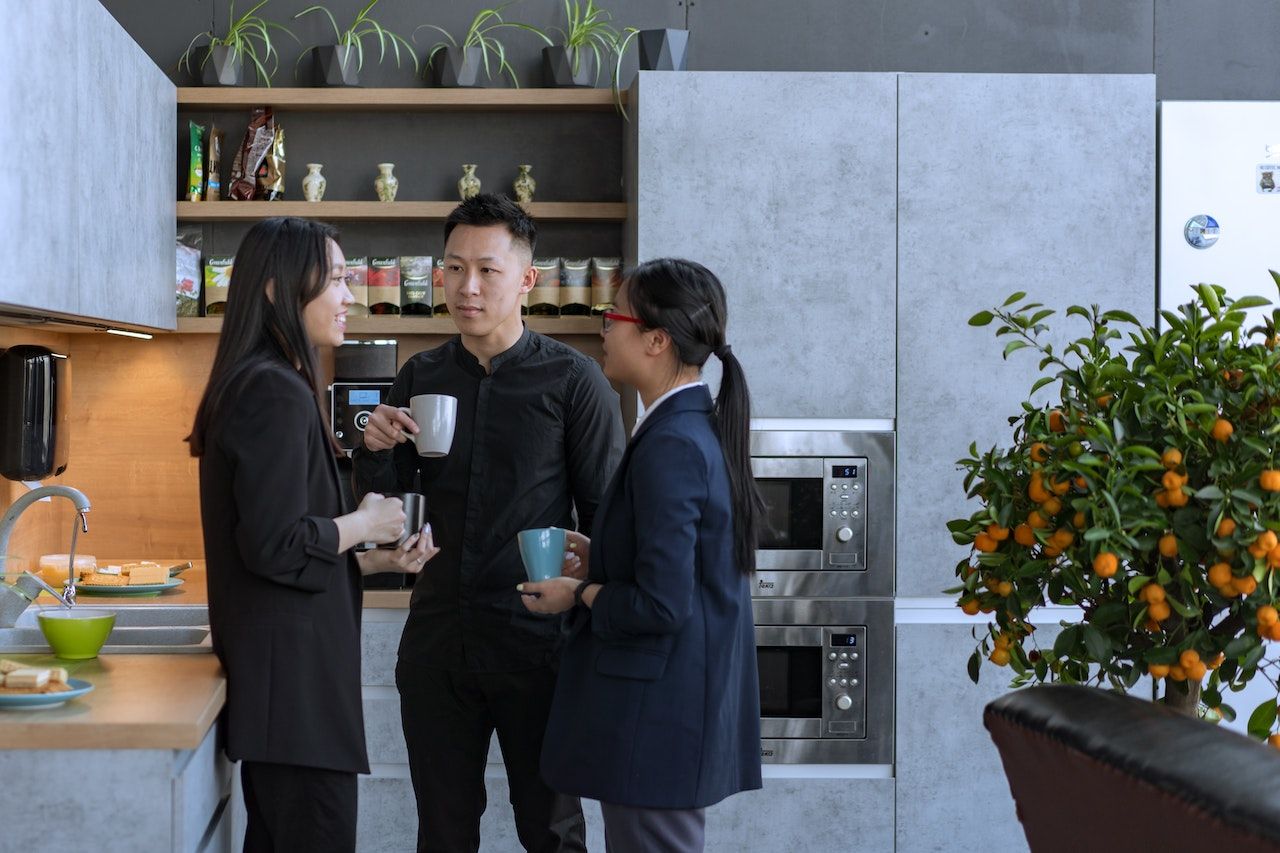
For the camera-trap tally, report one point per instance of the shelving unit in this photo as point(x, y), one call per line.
point(391, 326)
point(380, 211)
point(384, 100)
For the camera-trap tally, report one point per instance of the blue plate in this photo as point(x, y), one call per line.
point(32, 701)
point(132, 589)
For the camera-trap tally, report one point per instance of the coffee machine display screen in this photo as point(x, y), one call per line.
point(363, 397)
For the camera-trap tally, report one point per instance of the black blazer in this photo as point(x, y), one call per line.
point(657, 704)
point(284, 606)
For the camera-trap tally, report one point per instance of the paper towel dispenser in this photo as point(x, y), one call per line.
point(35, 398)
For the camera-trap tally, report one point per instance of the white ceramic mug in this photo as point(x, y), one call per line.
point(435, 415)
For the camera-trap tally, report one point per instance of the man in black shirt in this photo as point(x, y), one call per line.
point(538, 435)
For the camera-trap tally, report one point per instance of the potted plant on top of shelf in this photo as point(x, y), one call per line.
point(586, 40)
point(222, 60)
point(339, 64)
point(458, 64)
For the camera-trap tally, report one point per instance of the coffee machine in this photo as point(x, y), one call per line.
point(362, 375)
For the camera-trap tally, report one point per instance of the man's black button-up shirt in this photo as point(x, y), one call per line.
point(537, 436)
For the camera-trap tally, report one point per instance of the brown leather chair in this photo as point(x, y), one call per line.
point(1094, 771)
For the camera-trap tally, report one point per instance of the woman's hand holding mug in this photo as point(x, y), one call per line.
point(409, 558)
point(577, 555)
point(383, 518)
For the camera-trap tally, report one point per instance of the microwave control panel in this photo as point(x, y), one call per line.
point(844, 675)
point(844, 488)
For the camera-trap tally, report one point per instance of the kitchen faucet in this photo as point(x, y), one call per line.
point(14, 599)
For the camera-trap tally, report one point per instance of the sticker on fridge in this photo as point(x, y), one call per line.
point(1268, 176)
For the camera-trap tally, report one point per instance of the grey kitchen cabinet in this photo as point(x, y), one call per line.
point(86, 183)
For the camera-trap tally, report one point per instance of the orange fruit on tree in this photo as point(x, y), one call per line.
point(1197, 672)
point(1078, 521)
point(1221, 430)
point(1081, 483)
point(1217, 661)
point(1168, 545)
point(1037, 520)
point(1178, 498)
point(1024, 535)
point(1273, 631)
point(997, 532)
point(1036, 490)
point(1106, 564)
point(1267, 540)
point(1177, 673)
point(1004, 589)
point(1039, 452)
point(1172, 480)
point(1051, 507)
point(1226, 527)
point(1152, 625)
point(1057, 421)
point(1159, 610)
point(1104, 400)
point(1189, 658)
point(1245, 585)
point(1060, 488)
point(1270, 480)
point(1219, 574)
point(985, 543)
point(1273, 557)
point(1162, 499)
point(970, 606)
point(1158, 670)
point(1152, 593)
point(1268, 615)
point(999, 656)
point(1274, 740)
point(1171, 458)
point(1062, 537)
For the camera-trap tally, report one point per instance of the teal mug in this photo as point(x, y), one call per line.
point(542, 550)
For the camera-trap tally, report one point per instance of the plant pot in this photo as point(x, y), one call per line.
point(664, 50)
point(334, 65)
point(219, 66)
point(458, 67)
point(558, 67)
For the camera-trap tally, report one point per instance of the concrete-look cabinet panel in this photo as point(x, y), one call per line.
point(1040, 183)
point(782, 185)
point(39, 209)
point(86, 187)
point(805, 814)
point(953, 794)
point(379, 644)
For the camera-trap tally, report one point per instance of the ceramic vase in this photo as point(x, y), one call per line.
point(524, 185)
point(386, 183)
point(313, 183)
point(468, 184)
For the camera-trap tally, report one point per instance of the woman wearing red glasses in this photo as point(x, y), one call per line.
point(656, 711)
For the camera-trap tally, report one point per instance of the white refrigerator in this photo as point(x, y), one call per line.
point(1219, 167)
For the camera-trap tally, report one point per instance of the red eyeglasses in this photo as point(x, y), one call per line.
point(608, 318)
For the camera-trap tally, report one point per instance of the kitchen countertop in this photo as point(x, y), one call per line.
point(193, 591)
point(138, 702)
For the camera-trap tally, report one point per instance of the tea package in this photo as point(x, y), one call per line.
point(438, 305)
point(217, 284)
point(358, 284)
point(575, 287)
point(384, 285)
point(606, 275)
point(188, 270)
point(544, 298)
point(271, 172)
point(415, 285)
point(258, 137)
point(213, 179)
point(195, 171)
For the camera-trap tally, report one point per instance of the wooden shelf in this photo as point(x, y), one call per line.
point(382, 211)
point(382, 100)
point(394, 325)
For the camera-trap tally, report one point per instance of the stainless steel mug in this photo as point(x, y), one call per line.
point(415, 515)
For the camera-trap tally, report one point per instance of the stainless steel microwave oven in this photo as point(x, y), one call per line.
point(826, 681)
point(828, 529)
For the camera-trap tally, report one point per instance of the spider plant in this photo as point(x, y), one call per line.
point(588, 28)
point(352, 38)
point(479, 36)
point(247, 37)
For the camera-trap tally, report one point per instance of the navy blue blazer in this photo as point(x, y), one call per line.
point(657, 704)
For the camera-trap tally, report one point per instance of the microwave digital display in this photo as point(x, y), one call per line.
point(363, 397)
point(844, 472)
point(844, 640)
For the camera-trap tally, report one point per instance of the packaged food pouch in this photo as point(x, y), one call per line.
point(258, 137)
point(358, 284)
point(188, 271)
point(195, 172)
point(384, 285)
point(271, 172)
point(415, 285)
point(217, 284)
point(213, 178)
point(606, 275)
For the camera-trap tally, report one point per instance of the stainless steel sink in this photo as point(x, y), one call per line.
point(139, 629)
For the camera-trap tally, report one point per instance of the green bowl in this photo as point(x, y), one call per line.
point(76, 634)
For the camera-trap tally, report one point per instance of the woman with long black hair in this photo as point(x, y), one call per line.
point(284, 583)
point(657, 707)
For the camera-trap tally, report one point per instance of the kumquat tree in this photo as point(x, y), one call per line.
point(1148, 497)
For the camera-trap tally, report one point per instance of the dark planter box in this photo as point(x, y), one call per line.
point(664, 50)
point(557, 68)
point(458, 67)
point(334, 65)
point(219, 66)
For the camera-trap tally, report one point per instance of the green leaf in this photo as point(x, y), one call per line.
point(1210, 297)
point(1210, 493)
point(1014, 297)
point(1200, 409)
point(1014, 346)
point(1078, 311)
point(1125, 316)
point(1040, 383)
point(975, 663)
point(1250, 302)
point(1065, 641)
point(1097, 643)
point(1186, 611)
point(1240, 645)
point(1228, 713)
point(1245, 494)
point(1097, 534)
point(1263, 719)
